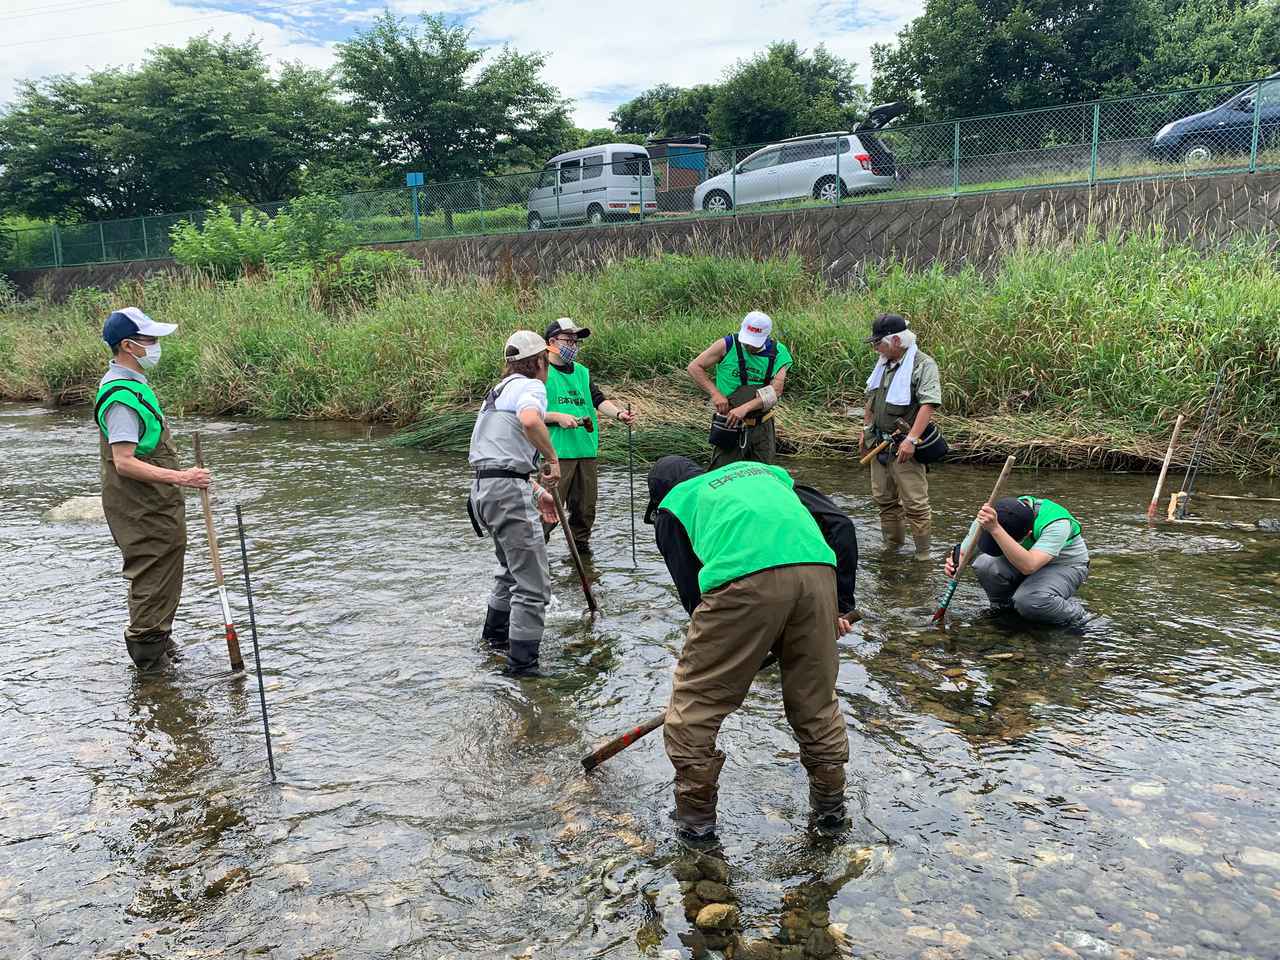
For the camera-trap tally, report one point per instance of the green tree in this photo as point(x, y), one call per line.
point(688, 112)
point(642, 115)
point(785, 92)
point(967, 57)
point(439, 108)
point(1213, 41)
point(192, 126)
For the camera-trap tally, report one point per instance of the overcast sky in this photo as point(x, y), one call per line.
point(599, 54)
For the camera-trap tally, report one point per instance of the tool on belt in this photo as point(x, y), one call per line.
point(233, 641)
point(728, 437)
point(940, 615)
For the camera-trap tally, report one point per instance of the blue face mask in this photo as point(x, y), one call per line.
point(567, 351)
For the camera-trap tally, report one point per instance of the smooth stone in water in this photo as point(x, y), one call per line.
point(1257, 857)
point(77, 510)
point(1182, 845)
point(1147, 789)
point(717, 916)
point(712, 892)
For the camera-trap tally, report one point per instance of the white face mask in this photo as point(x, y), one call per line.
point(151, 357)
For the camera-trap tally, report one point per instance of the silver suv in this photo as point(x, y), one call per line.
point(814, 166)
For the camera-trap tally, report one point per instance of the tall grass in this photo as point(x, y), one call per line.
point(1094, 345)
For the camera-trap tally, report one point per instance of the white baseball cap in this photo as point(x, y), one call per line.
point(131, 322)
point(524, 343)
point(755, 329)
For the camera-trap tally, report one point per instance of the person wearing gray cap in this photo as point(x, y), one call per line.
point(140, 484)
point(509, 439)
point(904, 385)
point(573, 399)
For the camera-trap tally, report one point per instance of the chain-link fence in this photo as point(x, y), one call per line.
point(1218, 129)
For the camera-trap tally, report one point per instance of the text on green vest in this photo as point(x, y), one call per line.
point(571, 393)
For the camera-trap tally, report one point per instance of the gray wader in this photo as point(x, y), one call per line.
point(500, 505)
point(1047, 597)
point(149, 524)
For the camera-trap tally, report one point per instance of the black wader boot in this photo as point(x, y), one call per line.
point(497, 627)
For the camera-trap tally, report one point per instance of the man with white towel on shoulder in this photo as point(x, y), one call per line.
point(904, 385)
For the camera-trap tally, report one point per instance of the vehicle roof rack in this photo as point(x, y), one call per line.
point(816, 136)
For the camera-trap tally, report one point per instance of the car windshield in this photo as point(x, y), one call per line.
point(631, 164)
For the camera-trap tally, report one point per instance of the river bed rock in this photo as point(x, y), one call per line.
point(717, 916)
point(1257, 857)
point(77, 510)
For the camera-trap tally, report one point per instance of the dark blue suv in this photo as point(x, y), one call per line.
point(1227, 129)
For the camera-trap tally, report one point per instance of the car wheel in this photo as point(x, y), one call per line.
point(1197, 154)
point(535, 222)
point(826, 190)
point(595, 214)
point(717, 201)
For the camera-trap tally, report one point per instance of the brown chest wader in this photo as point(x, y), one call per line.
point(149, 524)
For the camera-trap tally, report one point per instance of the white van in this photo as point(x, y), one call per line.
point(594, 185)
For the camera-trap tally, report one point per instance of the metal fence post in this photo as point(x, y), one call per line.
point(417, 223)
point(146, 253)
point(733, 180)
point(1093, 152)
point(480, 201)
point(955, 162)
point(839, 184)
point(57, 246)
point(640, 164)
point(102, 241)
point(1257, 126)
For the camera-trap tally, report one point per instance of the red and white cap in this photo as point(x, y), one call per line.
point(755, 330)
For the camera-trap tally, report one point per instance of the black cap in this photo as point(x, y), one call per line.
point(886, 325)
point(1015, 516)
point(565, 325)
point(666, 474)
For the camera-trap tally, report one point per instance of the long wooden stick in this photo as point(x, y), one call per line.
point(1227, 496)
point(233, 641)
point(631, 481)
point(554, 490)
point(940, 615)
point(1164, 468)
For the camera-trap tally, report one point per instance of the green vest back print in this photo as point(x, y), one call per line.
point(571, 393)
point(743, 518)
point(142, 400)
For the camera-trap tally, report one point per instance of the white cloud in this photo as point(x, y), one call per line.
point(598, 53)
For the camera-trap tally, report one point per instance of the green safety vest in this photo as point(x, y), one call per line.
point(1046, 512)
point(142, 400)
point(571, 393)
point(744, 518)
point(741, 368)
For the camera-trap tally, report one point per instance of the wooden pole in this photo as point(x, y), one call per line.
point(554, 490)
point(1164, 469)
point(233, 641)
point(940, 615)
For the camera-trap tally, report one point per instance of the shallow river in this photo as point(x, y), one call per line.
point(1109, 794)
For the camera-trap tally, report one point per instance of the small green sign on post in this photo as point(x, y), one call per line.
point(414, 181)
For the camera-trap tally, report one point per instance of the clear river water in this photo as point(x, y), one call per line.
point(1016, 793)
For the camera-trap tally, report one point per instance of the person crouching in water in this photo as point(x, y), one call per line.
point(761, 566)
point(1031, 558)
point(508, 439)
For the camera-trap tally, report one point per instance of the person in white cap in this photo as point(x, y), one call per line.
point(573, 398)
point(141, 478)
point(509, 439)
point(750, 371)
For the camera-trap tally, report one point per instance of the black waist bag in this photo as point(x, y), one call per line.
point(724, 436)
point(932, 446)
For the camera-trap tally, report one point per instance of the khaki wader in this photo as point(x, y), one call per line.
point(762, 437)
point(579, 489)
point(901, 492)
point(788, 610)
point(149, 524)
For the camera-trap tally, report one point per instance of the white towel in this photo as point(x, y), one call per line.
point(900, 390)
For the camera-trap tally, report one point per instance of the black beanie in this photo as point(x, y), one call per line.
point(666, 474)
point(1016, 518)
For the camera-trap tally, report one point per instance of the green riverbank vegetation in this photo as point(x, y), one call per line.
point(1069, 356)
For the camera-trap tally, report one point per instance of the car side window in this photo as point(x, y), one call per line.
point(570, 171)
point(808, 150)
point(547, 178)
point(1269, 93)
point(593, 167)
point(760, 161)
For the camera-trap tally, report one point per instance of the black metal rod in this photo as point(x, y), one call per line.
point(253, 630)
point(1202, 436)
point(631, 479)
